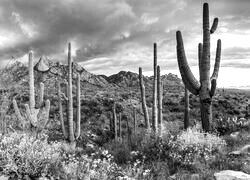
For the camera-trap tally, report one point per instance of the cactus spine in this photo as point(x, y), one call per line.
point(71, 134)
point(143, 99)
point(203, 88)
point(154, 110)
point(32, 110)
point(159, 99)
point(186, 113)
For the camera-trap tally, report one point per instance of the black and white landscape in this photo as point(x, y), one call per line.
point(124, 89)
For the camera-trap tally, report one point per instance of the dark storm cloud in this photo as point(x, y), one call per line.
point(116, 28)
point(57, 22)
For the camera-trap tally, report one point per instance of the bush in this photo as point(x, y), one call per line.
point(193, 146)
point(89, 166)
point(22, 154)
point(227, 125)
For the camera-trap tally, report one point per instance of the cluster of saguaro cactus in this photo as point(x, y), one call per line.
point(32, 110)
point(186, 111)
point(70, 133)
point(207, 85)
point(157, 97)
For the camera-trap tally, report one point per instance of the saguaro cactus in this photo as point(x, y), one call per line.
point(143, 99)
point(120, 125)
point(115, 122)
point(159, 99)
point(71, 134)
point(135, 120)
point(205, 89)
point(154, 110)
point(32, 110)
point(186, 112)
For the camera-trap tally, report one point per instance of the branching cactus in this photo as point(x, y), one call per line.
point(32, 110)
point(143, 99)
point(186, 112)
point(71, 134)
point(206, 87)
point(159, 99)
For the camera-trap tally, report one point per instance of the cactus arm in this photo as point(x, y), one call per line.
point(78, 115)
point(187, 76)
point(217, 60)
point(29, 116)
point(214, 26)
point(64, 96)
point(47, 109)
point(41, 95)
point(143, 100)
point(213, 87)
point(31, 83)
point(61, 110)
point(70, 96)
point(17, 112)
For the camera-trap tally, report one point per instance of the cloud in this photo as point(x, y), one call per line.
point(112, 35)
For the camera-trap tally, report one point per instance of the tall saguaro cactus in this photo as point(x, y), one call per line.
point(70, 134)
point(159, 99)
point(186, 111)
point(143, 99)
point(154, 110)
point(32, 110)
point(206, 87)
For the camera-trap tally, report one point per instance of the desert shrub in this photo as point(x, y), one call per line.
point(22, 154)
point(90, 167)
point(120, 151)
point(222, 161)
point(227, 125)
point(193, 145)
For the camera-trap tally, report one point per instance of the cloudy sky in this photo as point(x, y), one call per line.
point(112, 35)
